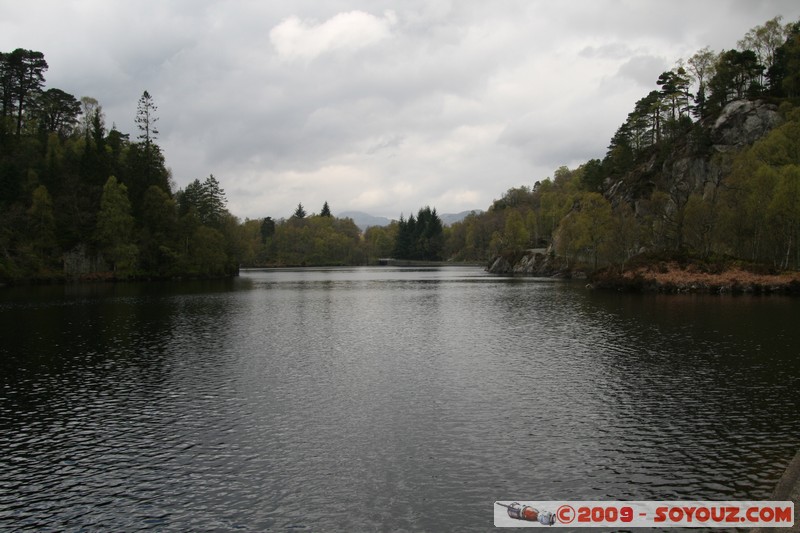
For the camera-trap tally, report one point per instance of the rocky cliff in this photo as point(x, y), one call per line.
point(694, 163)
point(698, 161)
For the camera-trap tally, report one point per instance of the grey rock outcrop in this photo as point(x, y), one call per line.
point(694, 165)
point(500, 265)
point(742, 123)
point(530, 263)
point(79, 262)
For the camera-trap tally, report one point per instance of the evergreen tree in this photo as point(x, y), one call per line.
point(213, 201)
point(206, 200)
point(784, 74)
point(21, 82)
point(299, 213)
point(326, 210)
point(737, 75)
point(402, 241)
point(146, 119)
point(58, 112)
point(145, 161)
point(267, 229)
point(421, 237)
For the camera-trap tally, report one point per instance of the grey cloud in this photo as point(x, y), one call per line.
point(606, 51)
point(387, 142)
point(644, 70)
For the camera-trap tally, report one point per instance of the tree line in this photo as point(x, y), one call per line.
point(325, 240)
point(78, 198)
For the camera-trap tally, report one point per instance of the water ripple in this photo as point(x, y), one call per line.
point(357, 399)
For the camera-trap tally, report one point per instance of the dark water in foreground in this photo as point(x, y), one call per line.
point(381, 400)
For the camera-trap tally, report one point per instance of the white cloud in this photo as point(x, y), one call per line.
point(297, 39)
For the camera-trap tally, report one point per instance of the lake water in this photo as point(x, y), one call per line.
point(381, 399)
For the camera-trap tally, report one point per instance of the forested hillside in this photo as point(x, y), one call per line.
point(706, 163)
point(80, 200)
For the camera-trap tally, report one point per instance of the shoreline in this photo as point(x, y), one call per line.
point(672, 277)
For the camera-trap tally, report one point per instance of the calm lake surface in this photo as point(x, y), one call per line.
point(381, 399)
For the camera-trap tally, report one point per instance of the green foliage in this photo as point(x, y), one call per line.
point(267, 229)
point(738, 75)
point(761, 204)
point(515, 234)
point(21, 82)
point(379, 241)
point(114, 233)
point(157, 235)
point(784, 73)
point(58, 112)
point(470, 239)
point(420, 238)
point(207, 255)
point(42, 231)
point(206, 200)
point(586, 232)
point(60, 212)
point(316, 241)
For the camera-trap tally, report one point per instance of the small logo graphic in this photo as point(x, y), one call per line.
point(565, 514)
point(529, 514)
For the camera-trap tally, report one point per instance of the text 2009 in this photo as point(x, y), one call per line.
point(604, 514)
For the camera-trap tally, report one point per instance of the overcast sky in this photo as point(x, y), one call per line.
point(375, 106)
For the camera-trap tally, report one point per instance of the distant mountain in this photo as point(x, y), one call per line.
point(451, 218)
point(365, 220)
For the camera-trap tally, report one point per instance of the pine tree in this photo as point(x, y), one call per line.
point(146, 119)
point(22, 79)
point(145, 159)
point(267, 229)
point(213, 201)
point(206, 199)
point(326, 211)
point(402, 243)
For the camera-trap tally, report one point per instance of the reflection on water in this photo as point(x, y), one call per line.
point(376, 399)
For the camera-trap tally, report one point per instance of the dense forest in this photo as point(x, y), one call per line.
point(80, 200)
